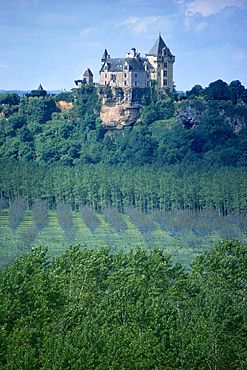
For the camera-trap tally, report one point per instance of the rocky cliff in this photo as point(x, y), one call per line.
point(190, 112)
point(120, 107)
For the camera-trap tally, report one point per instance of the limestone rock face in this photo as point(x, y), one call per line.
point(120, 107)
point(189, 113)
point(63, 105)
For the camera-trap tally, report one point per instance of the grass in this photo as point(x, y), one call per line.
point(183, 248)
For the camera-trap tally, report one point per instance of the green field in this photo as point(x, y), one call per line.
point(183, 247)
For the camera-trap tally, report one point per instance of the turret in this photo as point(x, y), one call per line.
point(105, 57)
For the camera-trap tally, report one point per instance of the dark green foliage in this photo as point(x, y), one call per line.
point(64, 96)
point(3, 204)
point(9, 98)
point(196, 91)
point(89, 309)
point(218, 90)
point(37, 110)
point(147, 187)
point(38, 93)
point(237, 90)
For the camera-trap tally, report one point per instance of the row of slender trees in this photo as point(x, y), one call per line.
point(146, 188)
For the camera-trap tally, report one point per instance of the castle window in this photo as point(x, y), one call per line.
point(147, 75)
point(165, 73)
point(105, 75)
point(158, 74)
point(125, 83)
point(165, 65)
point(165, 82)
point(135, 75)
point(158, 65)
point(125, 75)
point(135, 83)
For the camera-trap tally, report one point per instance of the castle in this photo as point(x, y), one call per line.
point(136, 71)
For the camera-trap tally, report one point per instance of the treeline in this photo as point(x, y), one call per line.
point(33, 129)
point(88, 309)
point(146, 188)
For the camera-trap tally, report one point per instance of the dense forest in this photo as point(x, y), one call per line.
point(90, 309)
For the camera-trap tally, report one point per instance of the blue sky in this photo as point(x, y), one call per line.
point(52, 42)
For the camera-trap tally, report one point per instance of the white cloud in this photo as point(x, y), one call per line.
point(130, 20)
point(139, 25)
point(210, 7)
point(147, 25)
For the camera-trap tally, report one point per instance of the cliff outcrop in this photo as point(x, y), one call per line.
point(120, 107)
point(63, 105)
point(190, 112)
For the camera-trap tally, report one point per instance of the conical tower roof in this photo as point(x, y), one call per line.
point(88, 72)
point(105, 56)
point(158, 46)
point(40, 87)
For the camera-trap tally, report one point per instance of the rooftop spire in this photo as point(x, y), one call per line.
point(158, 46)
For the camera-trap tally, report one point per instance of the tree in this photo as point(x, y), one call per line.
point(236, 89)
point(196, 90)
point(218, 90)
point(89, 217)
point(115, 219)
point(16, 212)
point(142, 221)
point(40, 214)
point(9, 98)
point(215, 316)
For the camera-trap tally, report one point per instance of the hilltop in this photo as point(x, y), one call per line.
point(206, 125)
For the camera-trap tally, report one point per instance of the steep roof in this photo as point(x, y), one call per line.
point(40, 87)
point(117, 64)
point(158, 46)
point(105, 55)
point(88, 72)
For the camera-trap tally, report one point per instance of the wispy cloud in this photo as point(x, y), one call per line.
point(139, 25)
point(210, 7)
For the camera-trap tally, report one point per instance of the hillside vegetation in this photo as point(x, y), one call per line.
point(34, 129)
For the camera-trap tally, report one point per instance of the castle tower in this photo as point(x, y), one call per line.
point(161, 60)
point(88, 77)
